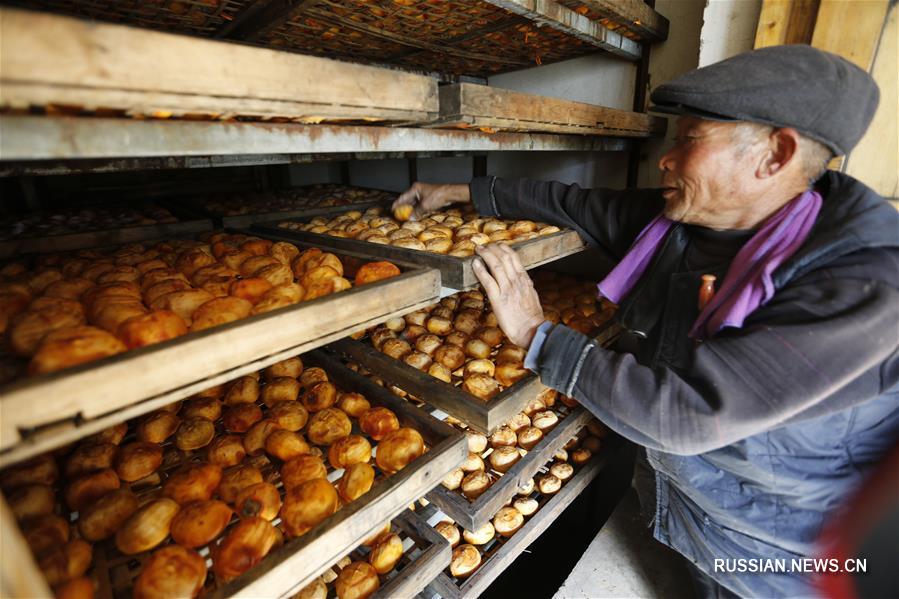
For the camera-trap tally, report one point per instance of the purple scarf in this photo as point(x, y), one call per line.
point(747, 284)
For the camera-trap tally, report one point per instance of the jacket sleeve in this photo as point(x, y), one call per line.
point(824, 343)
point(610, 219)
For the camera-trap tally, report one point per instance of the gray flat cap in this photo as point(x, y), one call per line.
point(819, 94)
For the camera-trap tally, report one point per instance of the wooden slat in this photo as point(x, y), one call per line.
point(260, 18)
point(247, 220)
point(479, 415)
point(552, 14)
point(88, 239)
point(474, 514)
point(634, 15)
point(435, 557)
point(875, 160)
point(482, 578)
point(300, 560)
point(181, 367)
point(456, 273)
point(483, 416)
point(47, 59)
point(850, 29)
point(19, 574)
point(470, 105)
point(43, 138)
point(327, 15)
point(786, 22)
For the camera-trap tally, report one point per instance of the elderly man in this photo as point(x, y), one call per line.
point(762, 410)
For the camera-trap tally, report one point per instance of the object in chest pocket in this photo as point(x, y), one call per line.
point(706, 291)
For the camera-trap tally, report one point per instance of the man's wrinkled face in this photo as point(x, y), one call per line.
point(708, 175)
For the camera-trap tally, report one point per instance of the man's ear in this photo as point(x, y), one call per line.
point(783, 148)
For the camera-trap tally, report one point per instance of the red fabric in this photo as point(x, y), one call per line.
point(843, 536)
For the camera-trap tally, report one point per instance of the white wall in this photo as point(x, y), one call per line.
point(595, 79)
point(728, 29)
point(702, 32)
point(587, 169)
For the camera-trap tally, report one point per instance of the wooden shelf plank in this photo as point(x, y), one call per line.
point(554, 15)
point(53, 60)
point(57, 138)
point(634, 15)
point(172, 370)
point(471, 105)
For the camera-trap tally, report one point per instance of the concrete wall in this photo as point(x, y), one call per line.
point(392, 175)
point(315, 172)
point(595, 79)
point(728, 29)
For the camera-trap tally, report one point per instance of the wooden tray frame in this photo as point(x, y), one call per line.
point(196, 361)
point(242, 221)
point(435, 556)
point(91, 239)
point(469, 105)
point(248, 220)
point(475, 514)
point(482, 416)
point(499, 559)
point(316, 551)
point(54, 60)
point(456, 273)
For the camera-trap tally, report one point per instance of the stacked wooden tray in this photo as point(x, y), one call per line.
point(472, 106)
point(455, 273)
point(310, 201)
point(482, 416)
point(87, 397)
point(52, 60)
point(300, 560)
point(186, 224)
point(473, 514)
point(500, 552)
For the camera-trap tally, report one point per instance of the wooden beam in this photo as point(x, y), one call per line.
point(786, 22)
point(552, 14)
point(875, 160)
point(633, 15)
point(47, 59)
point(260, 18)
point(850, 29)
point(481, 106)
point(47, 138)
point(19, 574)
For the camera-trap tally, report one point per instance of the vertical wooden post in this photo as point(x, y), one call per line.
point(786, 22)
point(19, 575)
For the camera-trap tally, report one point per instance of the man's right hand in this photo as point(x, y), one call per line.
point(428, 197)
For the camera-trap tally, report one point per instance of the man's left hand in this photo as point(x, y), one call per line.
point(511, 292)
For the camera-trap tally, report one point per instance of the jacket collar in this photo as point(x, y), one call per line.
point(853, 217)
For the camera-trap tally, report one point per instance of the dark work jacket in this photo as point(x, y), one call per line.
point(759, 433)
